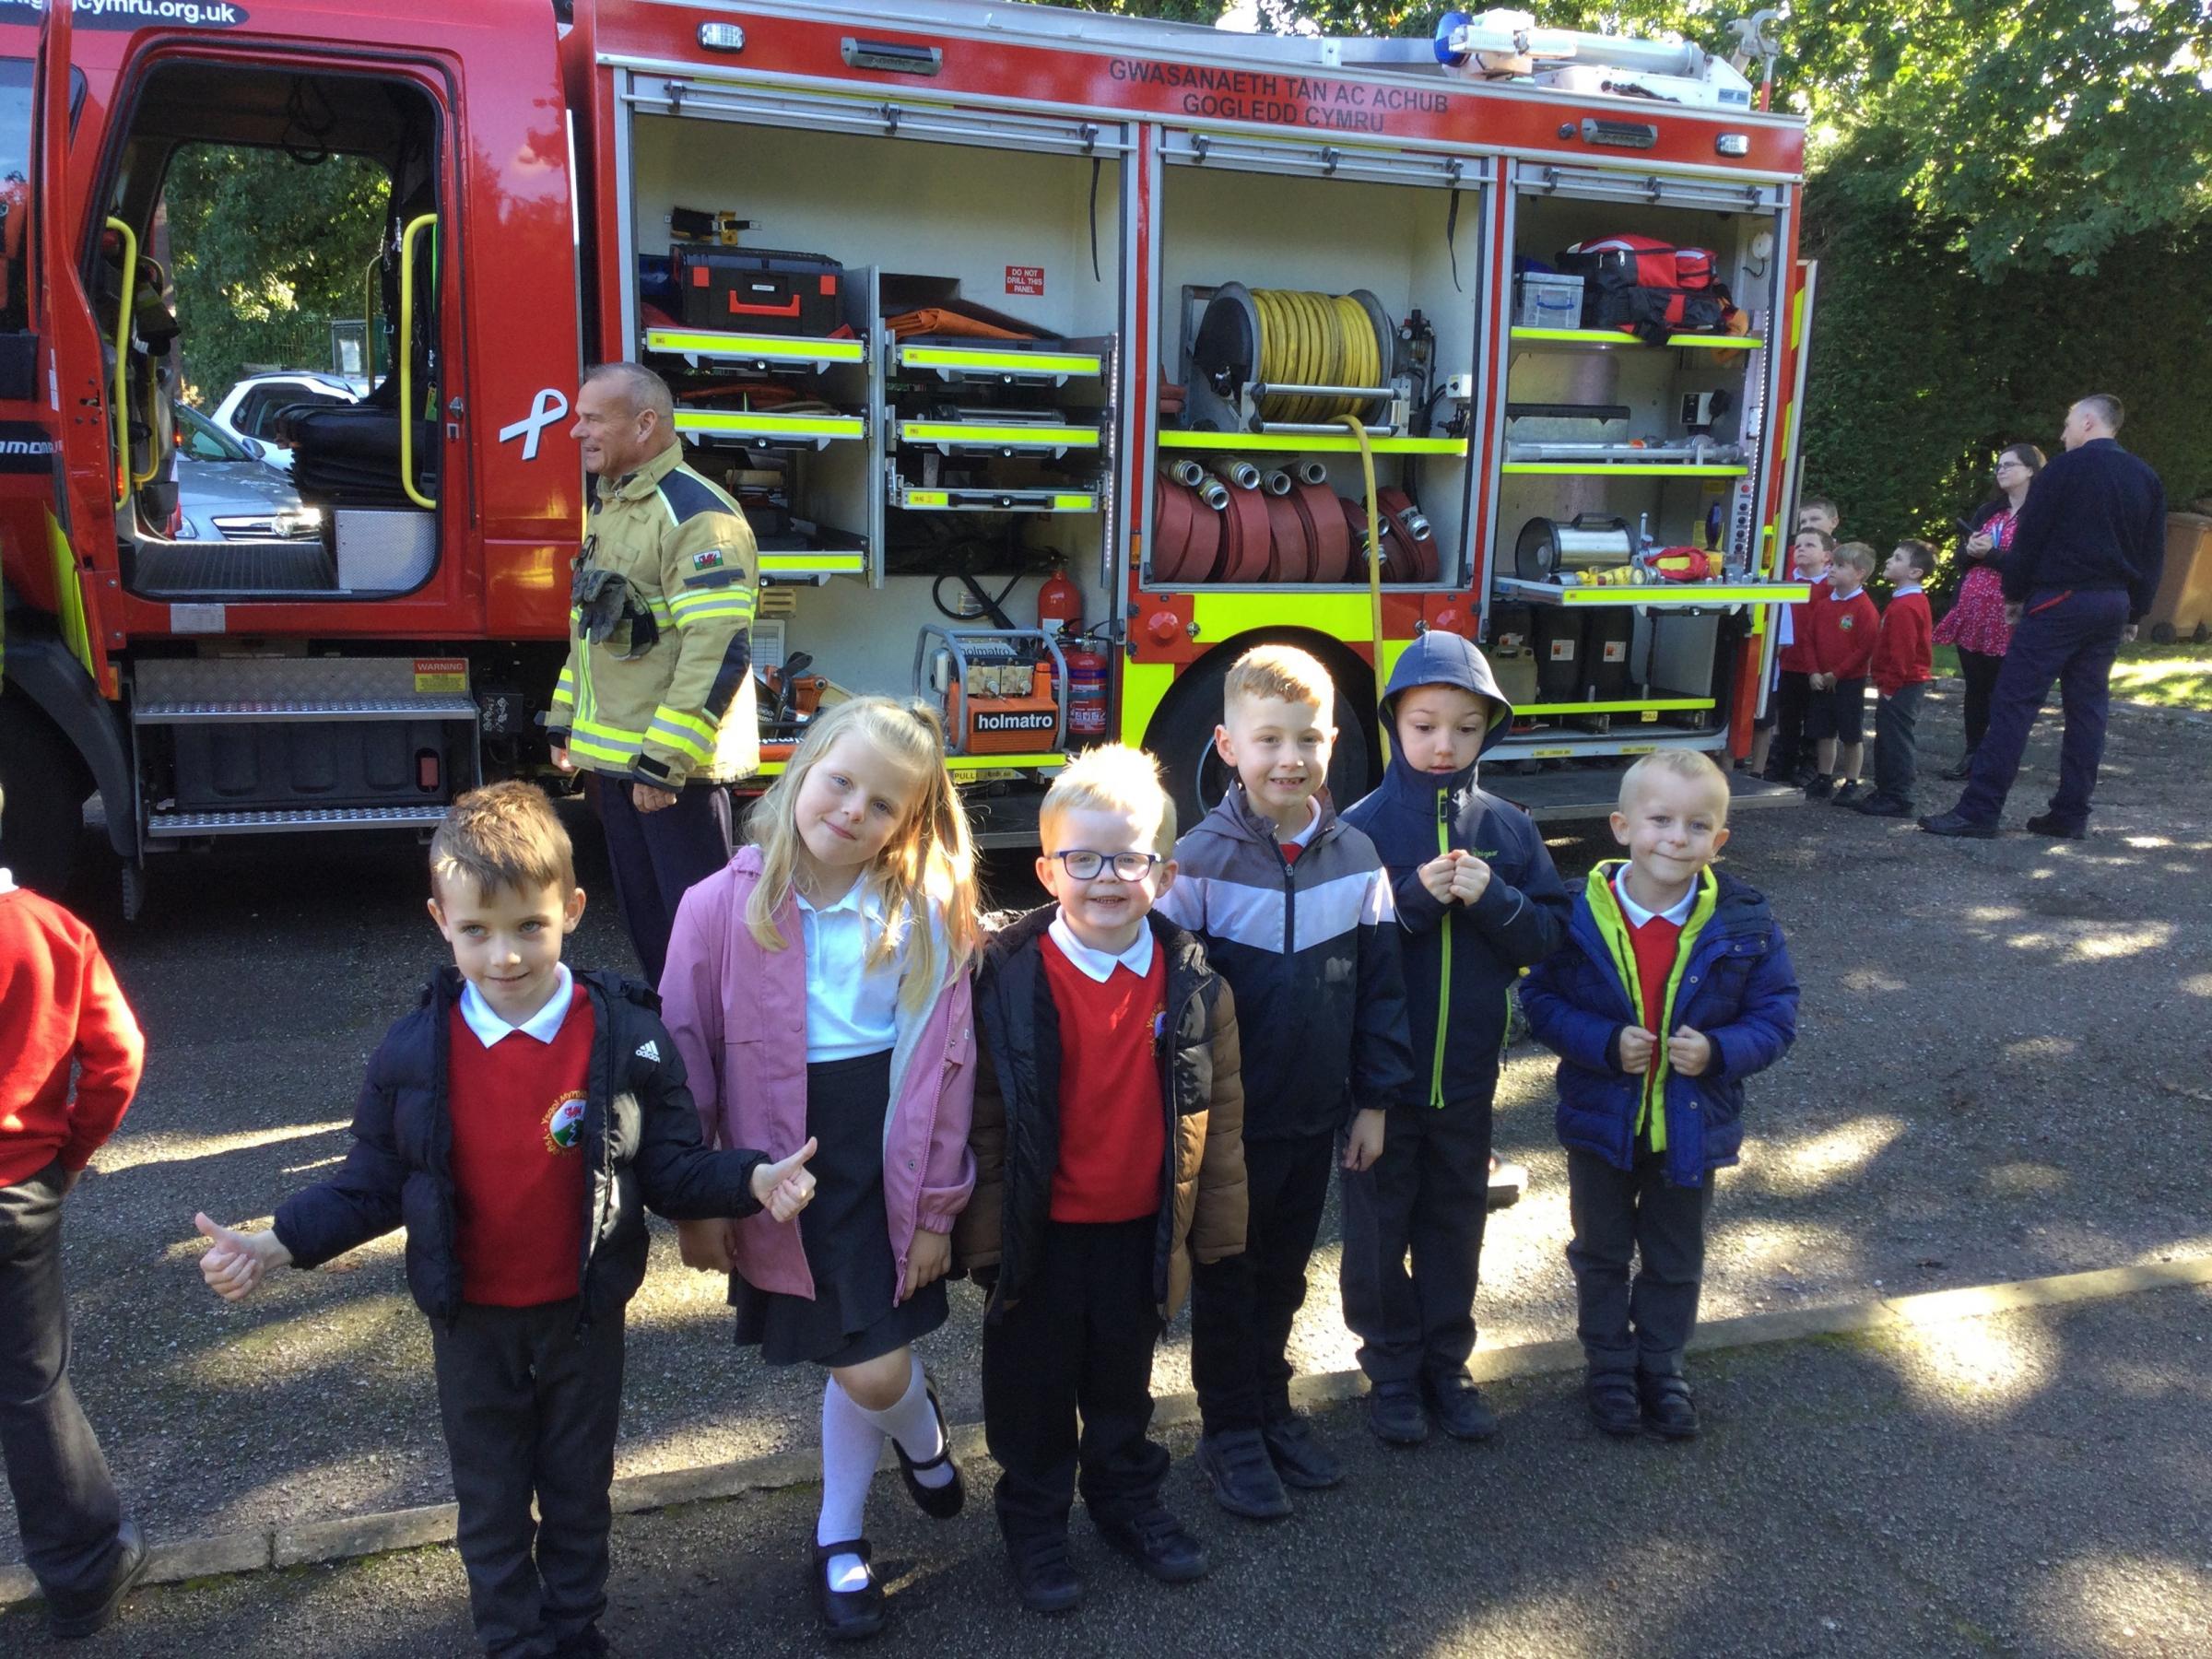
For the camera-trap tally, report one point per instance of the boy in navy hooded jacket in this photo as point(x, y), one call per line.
point(1478, 902)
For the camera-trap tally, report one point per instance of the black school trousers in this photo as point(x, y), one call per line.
point(1243, 1307)
point(1077, 1346)
point(531, 1401)
point(1623, 1215)
point(1897, 742)
point(66, 1504)
point(1424, 1201)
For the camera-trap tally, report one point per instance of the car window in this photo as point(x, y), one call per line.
point(204, 442)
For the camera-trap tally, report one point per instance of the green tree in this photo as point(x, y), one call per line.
point(267, 251)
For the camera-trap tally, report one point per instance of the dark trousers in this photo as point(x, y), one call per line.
point(1980, 673)
point(1642, 1325)
point(1897, 742)
point(659, 856)
point(1078, 1343)
point(531, 1404)
point(1426, 1197)
point(1243, 1307)
point(66, 1504)
point(1792, 696)
point(2071, 638)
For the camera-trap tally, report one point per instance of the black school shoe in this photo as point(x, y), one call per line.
point(1043, 1578)
point(1849, 794)
point(939, 1502)
point(2058, 828)
point(1236, 1465)
point(1612, 1407)
point(1297, 1453)
point(87, 1616)
point(1394, 1414)
point(1458, 1408)
point(845, 1614)
point(1156, 1541)
point(1884, 805)
point(586, 1643)
point(1963, 769)
point(1820, 788)
point(1668, 1411)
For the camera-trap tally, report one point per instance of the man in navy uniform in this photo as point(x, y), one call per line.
point(2082, 570)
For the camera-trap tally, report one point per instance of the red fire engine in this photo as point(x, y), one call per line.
point(1228, 337)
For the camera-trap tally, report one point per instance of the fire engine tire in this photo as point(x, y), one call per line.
point(1331, 535)
point(43, 820)
point(1181, 738)
point(1244, 536)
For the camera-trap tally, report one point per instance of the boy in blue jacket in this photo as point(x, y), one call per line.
point(1478, 901)
point(1674, 987)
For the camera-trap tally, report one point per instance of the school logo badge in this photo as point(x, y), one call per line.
point(564, 1122)
point(1847, 623)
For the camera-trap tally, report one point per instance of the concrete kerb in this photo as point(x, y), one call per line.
point(302, 1542)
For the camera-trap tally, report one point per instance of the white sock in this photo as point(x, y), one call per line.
point(912, 1422)
point(852, 1445)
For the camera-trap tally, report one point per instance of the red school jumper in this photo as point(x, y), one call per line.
point(1844, 634)
point(517, 1110)
point(1114, 1132)
point(1906, 654)
point(61, 1012)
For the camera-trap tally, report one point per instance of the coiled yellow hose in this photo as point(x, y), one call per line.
point(1314, 339)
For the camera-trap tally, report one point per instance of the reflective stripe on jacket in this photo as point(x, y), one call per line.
point(670, 701)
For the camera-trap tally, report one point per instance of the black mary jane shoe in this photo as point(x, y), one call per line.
point(845, 1614)
point(938, 1502)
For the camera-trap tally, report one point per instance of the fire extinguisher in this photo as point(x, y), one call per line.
point(1060, 604)
point(1060, 611)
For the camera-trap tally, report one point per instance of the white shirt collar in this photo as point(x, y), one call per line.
point(8, 879)
point(1312, 823)
point(1677, 913)
point(862, 899)
point(1836, 592)
point(1096, 964)
point(1909, 587)
point(544, 1025)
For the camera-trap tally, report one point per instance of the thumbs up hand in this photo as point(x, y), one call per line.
point(235, 1263)
point(784, 1188)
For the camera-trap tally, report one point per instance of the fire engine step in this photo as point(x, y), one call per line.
point(174, 826)
point(383, 708)
point(295, 567)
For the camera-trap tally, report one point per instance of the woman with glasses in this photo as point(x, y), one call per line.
point(1975, 623)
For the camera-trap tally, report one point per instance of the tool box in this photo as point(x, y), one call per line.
point(758, 290)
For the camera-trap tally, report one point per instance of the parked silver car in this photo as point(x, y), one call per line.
point(225, 492)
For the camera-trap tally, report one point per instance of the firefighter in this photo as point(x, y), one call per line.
point(655, 702)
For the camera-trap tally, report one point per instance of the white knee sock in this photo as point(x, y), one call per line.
point(851, 1445)
point(912, 1422)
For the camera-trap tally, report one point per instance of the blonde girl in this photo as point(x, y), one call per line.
point(820, 985)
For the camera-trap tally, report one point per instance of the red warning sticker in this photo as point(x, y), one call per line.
point(1025, 279)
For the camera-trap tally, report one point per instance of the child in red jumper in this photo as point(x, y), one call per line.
point(1785, 761)
point(1842, 625)
point(516, 1123)
point(60, 1011)
point(1904, 660)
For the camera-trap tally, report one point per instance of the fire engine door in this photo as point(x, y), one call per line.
point(273, 169)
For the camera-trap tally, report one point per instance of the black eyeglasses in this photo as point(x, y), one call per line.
point(1084, 865)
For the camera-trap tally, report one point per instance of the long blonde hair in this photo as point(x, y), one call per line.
point(929, 861)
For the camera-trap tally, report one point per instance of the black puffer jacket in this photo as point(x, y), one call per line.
point(641, 1140)
point(1016, 1132)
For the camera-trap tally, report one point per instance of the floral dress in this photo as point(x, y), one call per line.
point(1976, 619)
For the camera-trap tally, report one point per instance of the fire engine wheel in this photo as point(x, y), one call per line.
point(43, 816)
point(1182, 737)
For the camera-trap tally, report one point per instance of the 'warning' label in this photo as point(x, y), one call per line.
point(1025, 279)
point(441, 674)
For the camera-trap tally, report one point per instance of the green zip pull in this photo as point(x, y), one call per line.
point(1443, 995)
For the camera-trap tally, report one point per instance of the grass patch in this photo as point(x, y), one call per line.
point(2170, 677)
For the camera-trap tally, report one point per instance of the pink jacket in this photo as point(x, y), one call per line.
point(738, 1014)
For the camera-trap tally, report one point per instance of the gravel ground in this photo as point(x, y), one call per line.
point(2002, 1073)
point(2031, 1484)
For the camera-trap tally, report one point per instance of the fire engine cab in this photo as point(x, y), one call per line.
point(1056, 358)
